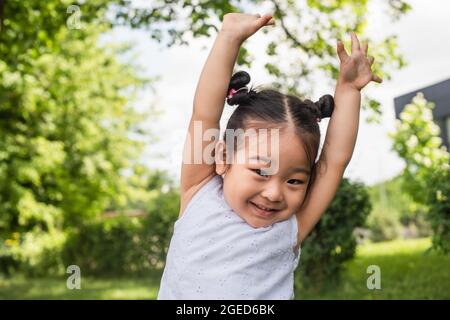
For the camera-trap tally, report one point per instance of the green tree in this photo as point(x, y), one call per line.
point(68, 149)
point(299, 52)
point(417, 142)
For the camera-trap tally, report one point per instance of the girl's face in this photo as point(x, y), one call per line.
point(250, 191)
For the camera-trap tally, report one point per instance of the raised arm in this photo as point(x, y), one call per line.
point(355, 74)
point(210, 96)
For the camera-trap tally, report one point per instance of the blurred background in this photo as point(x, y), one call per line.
point(95, 100)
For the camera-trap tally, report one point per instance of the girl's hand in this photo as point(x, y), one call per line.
point(241, 26)
point(355, 70)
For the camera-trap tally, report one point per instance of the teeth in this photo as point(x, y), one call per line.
point(264, 208)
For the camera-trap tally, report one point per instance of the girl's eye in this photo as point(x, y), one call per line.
point(260, 172)
point(296, 181)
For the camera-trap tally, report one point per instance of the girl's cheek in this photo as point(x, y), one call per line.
point(297, 199)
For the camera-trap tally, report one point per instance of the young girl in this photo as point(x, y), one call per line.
point(240, 227)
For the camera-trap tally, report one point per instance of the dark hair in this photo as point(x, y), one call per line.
point(269, 107)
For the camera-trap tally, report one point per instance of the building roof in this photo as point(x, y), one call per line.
point(438, 93)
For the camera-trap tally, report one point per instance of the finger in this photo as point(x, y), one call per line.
point(377, 79)
point(269, 19)
point(365, 47)
point(262, 21)
point(371, 59)
point(342, 54)
point(355, 43)
point(271, 22)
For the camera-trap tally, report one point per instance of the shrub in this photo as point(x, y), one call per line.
point(106, 247)
point(395, 213)
point(332, 242)
point(384, 225)
point(35, 253)
point(439, 214)
point(124, 245)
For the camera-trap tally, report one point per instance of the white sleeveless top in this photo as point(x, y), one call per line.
point(215, 254)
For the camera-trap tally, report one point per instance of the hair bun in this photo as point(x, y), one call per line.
point(325, 106)
point(239, 80)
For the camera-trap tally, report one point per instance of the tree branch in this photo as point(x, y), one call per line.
point(297, 43)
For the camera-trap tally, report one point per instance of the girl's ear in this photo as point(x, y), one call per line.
point(220, 155)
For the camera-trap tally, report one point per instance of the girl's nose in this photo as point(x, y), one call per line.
point(272, 191)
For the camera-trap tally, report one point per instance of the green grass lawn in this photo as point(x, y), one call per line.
point(408, 271)
point(19, 287)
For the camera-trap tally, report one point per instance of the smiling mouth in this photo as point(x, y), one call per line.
point(263, 210)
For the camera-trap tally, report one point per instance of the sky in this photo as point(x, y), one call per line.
point(423, 38)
